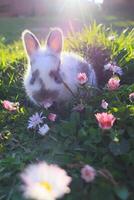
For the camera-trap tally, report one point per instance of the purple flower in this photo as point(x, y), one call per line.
point(35, 120)
point(114, 68)
point(117, 70)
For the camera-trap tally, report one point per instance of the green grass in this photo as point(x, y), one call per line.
point(74, 139)
point(11, 28)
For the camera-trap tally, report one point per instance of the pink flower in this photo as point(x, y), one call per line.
point(82, 78)
point(10, 105)
point(104, 104)
point(52, 117)
point(105, 120)
point(113, 83)
point(88, 173)
point(131, 97)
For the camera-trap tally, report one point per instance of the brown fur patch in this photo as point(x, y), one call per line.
point(35, 76)
point(56, 76)
point(44, 94)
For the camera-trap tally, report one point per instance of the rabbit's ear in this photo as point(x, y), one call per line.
point(55, 40)
point(30, 42)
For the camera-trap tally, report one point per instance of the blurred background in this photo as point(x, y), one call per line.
point(40, 15)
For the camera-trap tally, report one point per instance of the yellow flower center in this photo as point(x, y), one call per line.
point(46, 185)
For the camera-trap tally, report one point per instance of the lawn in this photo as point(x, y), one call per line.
point(12, 27)
point(74, 139)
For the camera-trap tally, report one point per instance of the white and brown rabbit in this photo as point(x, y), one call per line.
point(50, 69)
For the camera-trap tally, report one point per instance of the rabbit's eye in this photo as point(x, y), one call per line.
point(34, 77)
point(56, 76)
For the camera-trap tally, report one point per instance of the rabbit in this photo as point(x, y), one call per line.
point(51, 75)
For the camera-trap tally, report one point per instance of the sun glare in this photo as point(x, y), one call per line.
point(94, 1)
point(98, 1)
point(73, 3)
point(76, 10)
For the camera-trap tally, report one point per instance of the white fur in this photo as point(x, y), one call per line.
point(69, 69)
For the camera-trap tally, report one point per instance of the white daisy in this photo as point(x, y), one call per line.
point(43, 129)
point(35, 120)
point(45, 182)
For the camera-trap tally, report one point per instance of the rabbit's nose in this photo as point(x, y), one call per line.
point(56, 76)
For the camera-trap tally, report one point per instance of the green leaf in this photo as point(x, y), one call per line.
point(119, 148)
point(82, 134)
point(75, 117)
point(102, 192)
point(95, 136)
point(68, 128)
point(130, 131)
point(122, 192)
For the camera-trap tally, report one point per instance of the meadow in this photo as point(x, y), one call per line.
point(74, 139)
point(11, 29)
